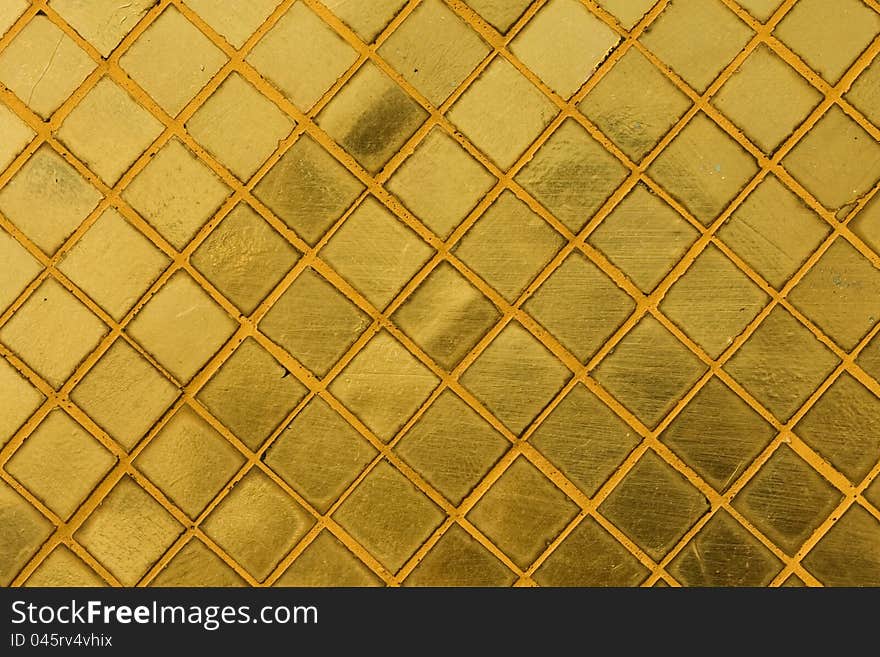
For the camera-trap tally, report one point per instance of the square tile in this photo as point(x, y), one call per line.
point(773, 231)
point(644, 237)
point(196, 565)
point(17, 269)
point(16, 135)
point(189, 461)
point(509, 245)
point(866, 224)
point(60, 463)
point(584, 439)
point(308, 189)
point(23, 528)
point(53, 332)
point(314, 322)
point(446, 316)
point(302, 56)
point(10, 12)
point(563, 44)
point(500, 14)
point(319, 454)
point(47, 199)
point(502, 113)
point(572, 175)
point(828, 38)
point(252, 393)
point(371, 117)
point(515, 377)
point(63, 568)
point(103, 23)
point(244, 258)
point(649, 371)
point(237, 21)
point(108, 130)
point(523, 512)
point(257, 506)
point(841, 293)
point(766, 98)
point(172, 61)
point(434, 50)
point(176, 193)
point(458, 559)
point(849, 554)
point(837, 161)
point(654, 505)
point(634, 122)
point(580, 306)
point(239, 126)
point(865, 92)
point(718, 434)
point(124, 394)
point(113, 263)
point(384, 385)
point(128, 532)
point(327, 563)
point(181, 326)
point(760, 9)
point(627, 12)
point(389, 516)
point(367, 20)
point(872, 493)
point(373, 235)
point(697, 39)
point(787, 500)
point(452, 447)
point(703, 168)
point(21, 400)
point(43, 66)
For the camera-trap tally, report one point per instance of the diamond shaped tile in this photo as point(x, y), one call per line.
point(327, 562)
point(667, 505)
point(17, 269)
point(10, 12)
point(718, 434)
point(500, 14)
point(244, 258)
point(16, 135)
point(627, 12)
point(181, 326)
point(370, 235)
point(302, 56)
point(21, 400)
point(869, 358)
point(515, 377)
point(103, 23)
point(367, 20)
point(849, 554)
point(63, 568)
point(176, 193)
point(584, 439)
point(128, 532)
point(47, 199)
point(580, 306)
point(314, 322)
point(509, 245)
point(787, 500)
point(239, 126)
point(522, 512)
point(866, 224)
point(196, 565)
point(760, 9)
point(837, 161)
point(841, 293)
point(452, 447)
point(172, 60)
point(60, 463)
point(434, 50)
point(257, 506)
point(766, 98)
point(502, 113)
point(388, 516)
point(773, 231)
point(252, 393)
point(696, 39)
point(384, 385)
point(23, 530)
point(703, 168)
point(113, 263)
point(865, 92)
point(234, 22)
point(872, 493)
point(319, 454)
point(446, 316)
point(53, 332)
point(43, 66)
point(458, 559)
point(649, 371)
point(572, 175)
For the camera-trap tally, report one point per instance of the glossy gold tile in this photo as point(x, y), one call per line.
point(63, 568)
point(458, 559)
point(326, 562)
point(367, 20)
point(196, 565)
point(849, 554)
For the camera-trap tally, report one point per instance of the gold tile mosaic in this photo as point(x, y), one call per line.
point(439, 292)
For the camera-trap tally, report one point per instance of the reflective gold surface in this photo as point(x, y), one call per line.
point(439, 292)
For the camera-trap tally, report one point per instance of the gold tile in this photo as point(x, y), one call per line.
point(500, 14)
point(302, 56)
point(872, 493)
point(17, 269)
point(60, 463)
point(522, 512)
point(103, 23)
point(760, 9)
point(189, 461)
point(389, 516)
point(63, 568)
point(237, 21)
point(16, 135)
point(368, 20)
point(458, 559)
point(866, 224)
point(793, 581)
point(849, 554)
point(865, 92)
point(196, 565)
point(21, 400)
point(53, 332)
point(869, 358)
point(627, 12)
point(10, 12)
point(23, 530)
point(451, 447)
point(384, 385)
point(515, 377)
point(326, 562)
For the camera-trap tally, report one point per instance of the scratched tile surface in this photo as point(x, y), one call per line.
point(439, 292)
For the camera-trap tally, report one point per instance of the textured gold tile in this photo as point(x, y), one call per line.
point(21, 400)
point(869, 358)
point(849, 554)
point(368, 20)
point(326, 562)
point(16, 135)
point(865, 92)
point(627, 12)
point(196, 565)
point(760, 9)
point(10, 12)
point(17, 269)
point(236, 21)
point(866, 224)
point(459, 560)
point(22, 530)
point(872, 492)
point(500, 14)
point(793, 581)
point(63, 568)
point(103, 23)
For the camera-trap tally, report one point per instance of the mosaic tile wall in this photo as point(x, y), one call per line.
point(459, 292)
